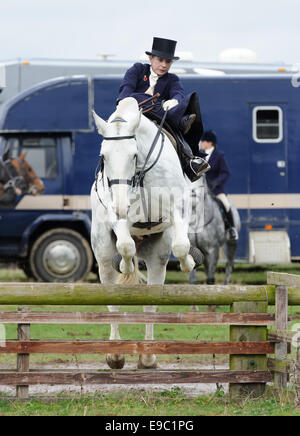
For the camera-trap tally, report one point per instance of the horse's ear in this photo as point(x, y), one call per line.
point(134, 124)
point(23, 155)
point(100, 124)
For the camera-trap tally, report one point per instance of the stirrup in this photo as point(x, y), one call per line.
point(198, 167)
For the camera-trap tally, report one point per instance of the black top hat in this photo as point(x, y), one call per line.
point(209, 136)
point(164, 48)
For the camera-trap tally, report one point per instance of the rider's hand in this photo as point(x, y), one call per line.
point(167, 105)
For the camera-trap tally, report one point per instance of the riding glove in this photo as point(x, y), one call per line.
point(169, 104)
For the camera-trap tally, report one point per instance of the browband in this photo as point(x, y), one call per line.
point(118, 138)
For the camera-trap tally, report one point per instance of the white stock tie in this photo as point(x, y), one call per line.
point(153, 80)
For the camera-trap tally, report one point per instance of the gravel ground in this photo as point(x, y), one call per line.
point(189, 389)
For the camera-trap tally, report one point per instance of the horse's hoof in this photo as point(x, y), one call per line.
point(210, 281)
point(117, 261)
point(211, 308)
point(196, 255)
point(194, 309)
point(140, 365)
point(115, 364)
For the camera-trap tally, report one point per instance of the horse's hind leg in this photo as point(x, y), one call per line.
point(108, 275)
point(156, 262)
point(231, 247)
point(211, 265)
point(193, 279)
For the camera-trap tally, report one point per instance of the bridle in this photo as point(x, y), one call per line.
point(14, 182)
point(118, 138)
point(138, 179)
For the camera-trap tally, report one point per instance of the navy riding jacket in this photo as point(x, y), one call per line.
point(219, 173)
point(136, 82)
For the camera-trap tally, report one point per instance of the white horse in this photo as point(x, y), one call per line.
point(149, 212)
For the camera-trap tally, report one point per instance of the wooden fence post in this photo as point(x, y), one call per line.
point(247, 362)
point(22, 391)
point(281, 324)
point(297, 372)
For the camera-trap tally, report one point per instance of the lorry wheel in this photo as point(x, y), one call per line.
point(60, 255)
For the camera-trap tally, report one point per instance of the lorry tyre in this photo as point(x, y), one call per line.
point(60, 255)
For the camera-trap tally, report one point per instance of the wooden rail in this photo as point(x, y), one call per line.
point(23, 294)
point(31, 317)
point(136, 347)
point(133, 377)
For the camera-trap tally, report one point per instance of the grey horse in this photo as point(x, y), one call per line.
point(209, 233)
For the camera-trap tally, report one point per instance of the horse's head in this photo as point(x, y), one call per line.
point(27, 180)
point(119, 151)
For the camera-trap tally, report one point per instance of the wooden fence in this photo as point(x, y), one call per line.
point(248, 345)
point(285, 368)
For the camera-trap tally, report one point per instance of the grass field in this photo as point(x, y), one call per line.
point(164, 403)
point(168, 403)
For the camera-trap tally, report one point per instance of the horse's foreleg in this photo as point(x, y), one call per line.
point(181, 244)
point(125, 246)
point(108, 275)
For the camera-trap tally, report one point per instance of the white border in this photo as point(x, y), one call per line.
point(254, 129)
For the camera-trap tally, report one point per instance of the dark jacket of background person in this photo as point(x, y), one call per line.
point(219, 173)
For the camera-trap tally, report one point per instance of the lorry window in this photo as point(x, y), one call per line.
point(41, 154)
point(267, 124)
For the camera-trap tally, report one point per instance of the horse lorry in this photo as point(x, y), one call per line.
point(17, 75)
point(255, 118)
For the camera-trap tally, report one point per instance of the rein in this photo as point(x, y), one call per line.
point(140, 176)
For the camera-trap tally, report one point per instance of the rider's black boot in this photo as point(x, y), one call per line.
point(232, 233)
point(193, 166)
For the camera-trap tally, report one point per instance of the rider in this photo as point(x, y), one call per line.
point(218, 176)
point(144, 80)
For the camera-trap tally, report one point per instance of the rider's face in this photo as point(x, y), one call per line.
point(206, 145)
point(160, 65)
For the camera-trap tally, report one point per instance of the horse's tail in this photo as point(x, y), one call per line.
point(134, 278)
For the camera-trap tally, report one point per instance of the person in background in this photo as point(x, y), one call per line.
point(217, 177)
point(143, 80)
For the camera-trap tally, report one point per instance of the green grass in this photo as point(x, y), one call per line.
point(246, 274)
point(164, 403)
point(243, 273)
